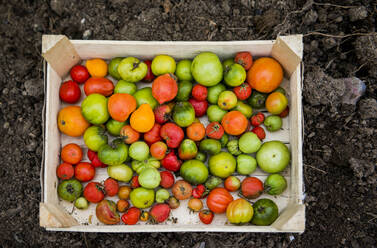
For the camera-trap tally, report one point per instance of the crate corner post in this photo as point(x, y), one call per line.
point(51, 216)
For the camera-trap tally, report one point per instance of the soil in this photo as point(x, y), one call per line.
point(340, 148)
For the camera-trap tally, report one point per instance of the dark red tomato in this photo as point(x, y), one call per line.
point(79, 74)
point(252, 187)
point(93, 157)
point(149, 77)
point(65, 171)
point(111, 186)
point(245, 59)
point(206, 216)
point(94, 192)
point(84, 171)
point(131, 217)
point(200, 107)
point(259, 131)
point(214, 130)
point(167, 179)
point(153, 135)
point(199, 92)
point(70, 92)
point(199, 191)
point(135, 182)
point(243, 91)
point(91, 154)
point(284, 113)
point(257, 119)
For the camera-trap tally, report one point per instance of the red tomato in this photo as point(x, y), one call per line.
point(79, 74)
point(214, 130)
point(69, 92)
point(84, 171)
point(93, 192)
point(167, 179)
point(232, 183)
point(218, 199)
point(252, 187)
point(135, 182)
point(153, 135)
point(199, 191)
point(243, 91)
point(199, 92)
point(149, 77)
point(259, 131)
point(284, 113)
point(91, 154)
point(93, 157)
point(158, 150)
point(206, 216)
point(65, 171)
point(200, 107)
point(111, 187)
point(131, 217)
point(257, 119)
point(245, 59)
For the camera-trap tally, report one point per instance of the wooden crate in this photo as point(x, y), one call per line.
point(61, 54)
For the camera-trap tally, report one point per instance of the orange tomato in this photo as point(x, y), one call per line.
point(71, 153)
point(265, 75)
point(234, 123)
point(129, 135)
point(142, 119)
point(71, 122)
point(120, 106)
point(158, 150)
point(195, 204)
point(96, 67)
point(276, 103)
point(196, 131)
point(218, 199)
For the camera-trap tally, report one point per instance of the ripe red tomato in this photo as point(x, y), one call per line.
point(252, 187)
point(65, 171)
point(111, 187)
point(135, 182)
point(218, 199)
point(84, 171)
point(259, 131)
point(214, 130)
point(284, 113)
point(257, 119)
point(79, 74)
point(131, 217)
point(200, 107)
point(206, 216)
point(167, 179)
point(243, 91)
point(93, 157)
point(149, 77)
point(245, 59)
point(93, 192)
point(153, 135)
point(69, 92)
point(199, 92)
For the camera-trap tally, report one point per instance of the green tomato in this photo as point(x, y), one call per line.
point(70, 190)
point(120, 172)
point(224, 140)
point(183, 114)
point(244, 108)
point(162, 64)
point(95, 137)
point(113, 127)
point(184, 91)
point(246, 164)
point(144, 95)
point(139, 150)
point(227, 63)
point(213, 182)
point(215, 113)
point(227, 100)
point(222, 165)
point(113, 154)
point(273, 123)
point(210, 146)
point(275, 184)
point(257, 99)
point(125, 87)
point(149, 178)
point(132, 69)
point(194, 172)
point(113, 67)
point(142, 197)
point(214, 93)
point(233, 147)
point(162, 195)
point(201, 156)
point(94, 109)
point(249, 142)
point(234, 75)
point(183, 71)
point(206, 69)
point(265, 212)
point(81, 203)
point(273, 156)
point(139, 166)
point(187, 149)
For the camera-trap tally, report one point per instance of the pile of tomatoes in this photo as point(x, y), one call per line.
point(161, 152)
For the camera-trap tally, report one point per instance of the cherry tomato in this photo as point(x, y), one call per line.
point(111, 187)
point(144, 216)
point(79, 74)
point(84, 171)
point(206, 216)
point(199, 191)
point(243, 91)
point(93, 192)
point(257, 119)
point(124, 192)
point(245, 59)
point(69, 92)
point(122, 205)
point(149, 77)
point(259, 131)
point(214, 130)
point(135, 182)
point(65, 171)
point(199, 92)
point(195, 204)
point(131, 217)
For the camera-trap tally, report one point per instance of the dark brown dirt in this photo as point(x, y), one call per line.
point(340, 150)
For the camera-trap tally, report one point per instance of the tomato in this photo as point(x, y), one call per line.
point(184, 114)
point(120, 106)
point(120, 172)
point(101, 86)
point(213, 182)
point(165, 88)
point(194, 171)
point(149, 77)
point(65, 171)
point(218, 200)
point(234, 75)
point(232, 183)
point(206, 216)
point(257, 119)
point(153, 135)
point(144, 216)
point(129, 135)
point(273, 156)
point(84, 172)
point(187, 150)
point(172, 134)
point(70, 190)
point(234, 123)
point(276, 103)
point(199, 191)
point(94, 192)
point(79, 74)
point(145, 95)
point(132, 69)
point(139, 166)
point(93, 157)
point(106, 212)
point(171, 161)
point(125, 87)
point(113, 67)
point(222, 164)
point(142, 197)
point(158, 150)
point(94, 109)
point(195, 204)
point(214, 92)
point(285, 112)
point(214, 130)
point(95, 137)
point(81, 203)
point(149, 178)
point(199, 92)
point(239, 211)
point(182, 190)
point(167, 179)
point(244, 59)
point(70, 92)
point(131, 217)
point(259, 131)
point(71, 153)
point(246, 164)
point(252, 187)
point(227, 100)
point(135, 182)
point(124, 192)
point(206, 68)
point(183, 70)
point(275, 184)
point(122, 205)
point(160, 212)
point(210, 146)
point(224, 140)
point(113, 154)
point(184, 90)
point(265, 212)
point(243, 91)
point(265, 75)
point(249, 143)
point(163, 113)
point(162, 64)
point(139, 150)
point(113, 127)
point(215, 113)
point(200, 107)
point(196, 131)
point(173, 202)
point(162, 195)
point(111, 187)
point(273, 123)
point(257, 99)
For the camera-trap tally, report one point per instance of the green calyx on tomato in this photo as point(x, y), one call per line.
point(113, 154)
